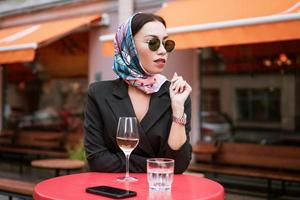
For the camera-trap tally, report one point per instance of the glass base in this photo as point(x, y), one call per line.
point(160, 189)
point(127, 179)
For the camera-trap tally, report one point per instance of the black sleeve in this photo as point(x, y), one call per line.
point(138, 163)
point(183, 155)
point(98, 155)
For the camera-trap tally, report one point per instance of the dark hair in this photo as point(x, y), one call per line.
point(140, 19)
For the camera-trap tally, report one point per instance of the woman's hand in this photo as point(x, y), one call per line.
point(179, 92)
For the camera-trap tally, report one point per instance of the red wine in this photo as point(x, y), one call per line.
point(127, 144)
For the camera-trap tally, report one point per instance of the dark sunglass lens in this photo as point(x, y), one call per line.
point(169, 45)
point(154, 44)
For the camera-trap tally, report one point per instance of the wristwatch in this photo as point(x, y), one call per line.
point(181, 120)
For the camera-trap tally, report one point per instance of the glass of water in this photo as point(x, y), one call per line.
point(160, 172)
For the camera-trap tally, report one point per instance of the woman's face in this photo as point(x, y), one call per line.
point(152, 61)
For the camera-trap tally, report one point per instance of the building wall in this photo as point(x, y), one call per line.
point(1, 95)
point(100, 64)
point(57, 11)
point(228, 84)
point(297, 99)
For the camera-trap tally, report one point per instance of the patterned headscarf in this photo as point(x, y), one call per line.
point(127, 64)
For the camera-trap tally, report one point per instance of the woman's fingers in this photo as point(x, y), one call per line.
point(176, 83)
point(179, 85)
point(187, 88)
point(182, 87)
point(174, 77)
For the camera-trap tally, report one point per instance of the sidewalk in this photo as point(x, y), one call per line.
point(11, 171)
point(8, 170)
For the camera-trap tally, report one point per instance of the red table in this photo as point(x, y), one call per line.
point(72, 187)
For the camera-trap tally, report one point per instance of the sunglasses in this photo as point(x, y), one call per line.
point(154, 44)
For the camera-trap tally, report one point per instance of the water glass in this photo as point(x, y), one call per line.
point(160, 172)
point(156, 195)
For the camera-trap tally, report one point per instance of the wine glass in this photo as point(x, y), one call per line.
point(127, 139)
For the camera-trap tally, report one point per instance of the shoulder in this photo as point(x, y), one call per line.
point(165, 87)
point(102, 85)
point(167, 84)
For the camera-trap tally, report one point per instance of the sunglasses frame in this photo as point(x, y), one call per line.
point(153, 44)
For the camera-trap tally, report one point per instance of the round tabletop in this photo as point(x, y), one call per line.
point(66, 164)
point(73, 187)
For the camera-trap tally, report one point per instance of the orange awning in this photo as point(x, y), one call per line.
point(18, 44)
point(196, 24)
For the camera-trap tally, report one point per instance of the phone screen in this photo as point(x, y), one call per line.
point(111, 191)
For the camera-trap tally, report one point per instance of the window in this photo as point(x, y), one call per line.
point(256, 105)
point(210, 100)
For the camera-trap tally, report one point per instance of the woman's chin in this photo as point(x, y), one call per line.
point(157, 71)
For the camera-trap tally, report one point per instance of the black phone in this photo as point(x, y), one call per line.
point(111, 191)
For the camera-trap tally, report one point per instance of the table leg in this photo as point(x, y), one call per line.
point(57, 172)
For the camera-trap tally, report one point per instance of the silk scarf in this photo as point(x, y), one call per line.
point(127, 64)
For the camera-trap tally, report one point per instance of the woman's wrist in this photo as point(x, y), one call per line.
point(181, 120)
point(178, 110)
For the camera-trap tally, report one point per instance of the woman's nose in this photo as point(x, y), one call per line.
point(161, 49)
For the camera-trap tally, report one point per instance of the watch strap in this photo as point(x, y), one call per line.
point(180, 120)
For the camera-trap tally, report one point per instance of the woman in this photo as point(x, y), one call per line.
point(162, 107)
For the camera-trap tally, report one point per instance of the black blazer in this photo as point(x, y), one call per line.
point(109, 100)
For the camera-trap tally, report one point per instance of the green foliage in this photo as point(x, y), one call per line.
point(77, 152)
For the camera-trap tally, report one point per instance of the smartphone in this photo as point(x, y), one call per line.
point(112, 192)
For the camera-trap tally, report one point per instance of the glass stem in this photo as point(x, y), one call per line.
point(127, 164)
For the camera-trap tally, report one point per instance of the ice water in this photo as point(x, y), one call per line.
point(160, 179)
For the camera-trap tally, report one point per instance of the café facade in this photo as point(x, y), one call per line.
point(240, 57)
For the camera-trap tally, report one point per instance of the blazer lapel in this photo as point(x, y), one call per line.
point(120, 102)
point(159, 104)
point(121, 106)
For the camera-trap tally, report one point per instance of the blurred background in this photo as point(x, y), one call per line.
point(242, 59)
